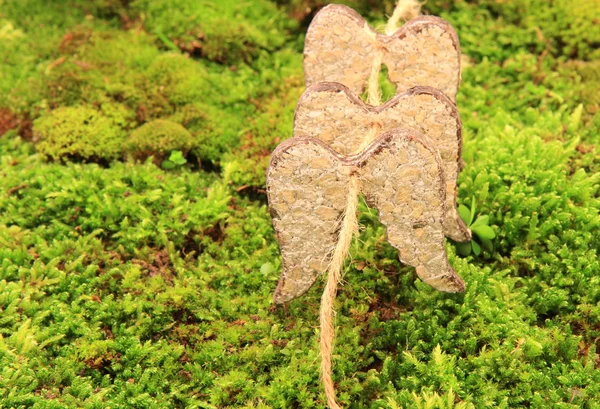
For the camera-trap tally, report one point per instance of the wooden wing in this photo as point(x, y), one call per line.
point(307, 189)
point(335, 115)
point(424, 52)
point(402, 178)
point(339, 47)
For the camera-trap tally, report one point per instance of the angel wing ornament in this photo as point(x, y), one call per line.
point(401, 175)
point(403, 156)
point(332, 113)
point(341, 47)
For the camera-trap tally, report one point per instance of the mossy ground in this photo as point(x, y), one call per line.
point(123, 284)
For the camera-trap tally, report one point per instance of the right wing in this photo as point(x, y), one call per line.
point(402, 178)
point(424, 52)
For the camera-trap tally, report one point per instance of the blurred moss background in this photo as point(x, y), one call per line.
point(137, 258)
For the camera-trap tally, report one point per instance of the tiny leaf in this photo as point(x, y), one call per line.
point(267, 269)
point(464, 249)
point(481, 221)
point(177, 158)
point(484, 232)
point(167, 165)
point(464, 213)
point(476, 247)
point(487, 244)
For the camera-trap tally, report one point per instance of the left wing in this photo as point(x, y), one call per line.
point(307, 187)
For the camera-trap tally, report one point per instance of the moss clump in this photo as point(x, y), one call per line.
point(98, 66)
point(158, 138)
point(78, 133)
point(498, 28)
point(94, 63)
point(225, 31)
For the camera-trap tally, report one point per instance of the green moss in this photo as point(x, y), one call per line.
point(270, 125)
point(25, 43)
point(158, 138)
point(100, 66)
point(125, 285)
point(587, 78)
point(79, 133)
point(225, 32)
point(562, 27)
point(498, 28)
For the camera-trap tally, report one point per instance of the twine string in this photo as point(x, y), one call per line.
point(405, 9)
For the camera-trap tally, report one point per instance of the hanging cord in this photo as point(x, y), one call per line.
point(373, 89)
point(349, 226)
point(405, 9)
point(373, 97)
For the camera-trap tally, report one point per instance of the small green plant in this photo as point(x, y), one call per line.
point(158, 138)
point(479, 227)
point(176, 159)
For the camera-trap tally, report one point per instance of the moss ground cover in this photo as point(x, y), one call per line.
point(126, 284)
